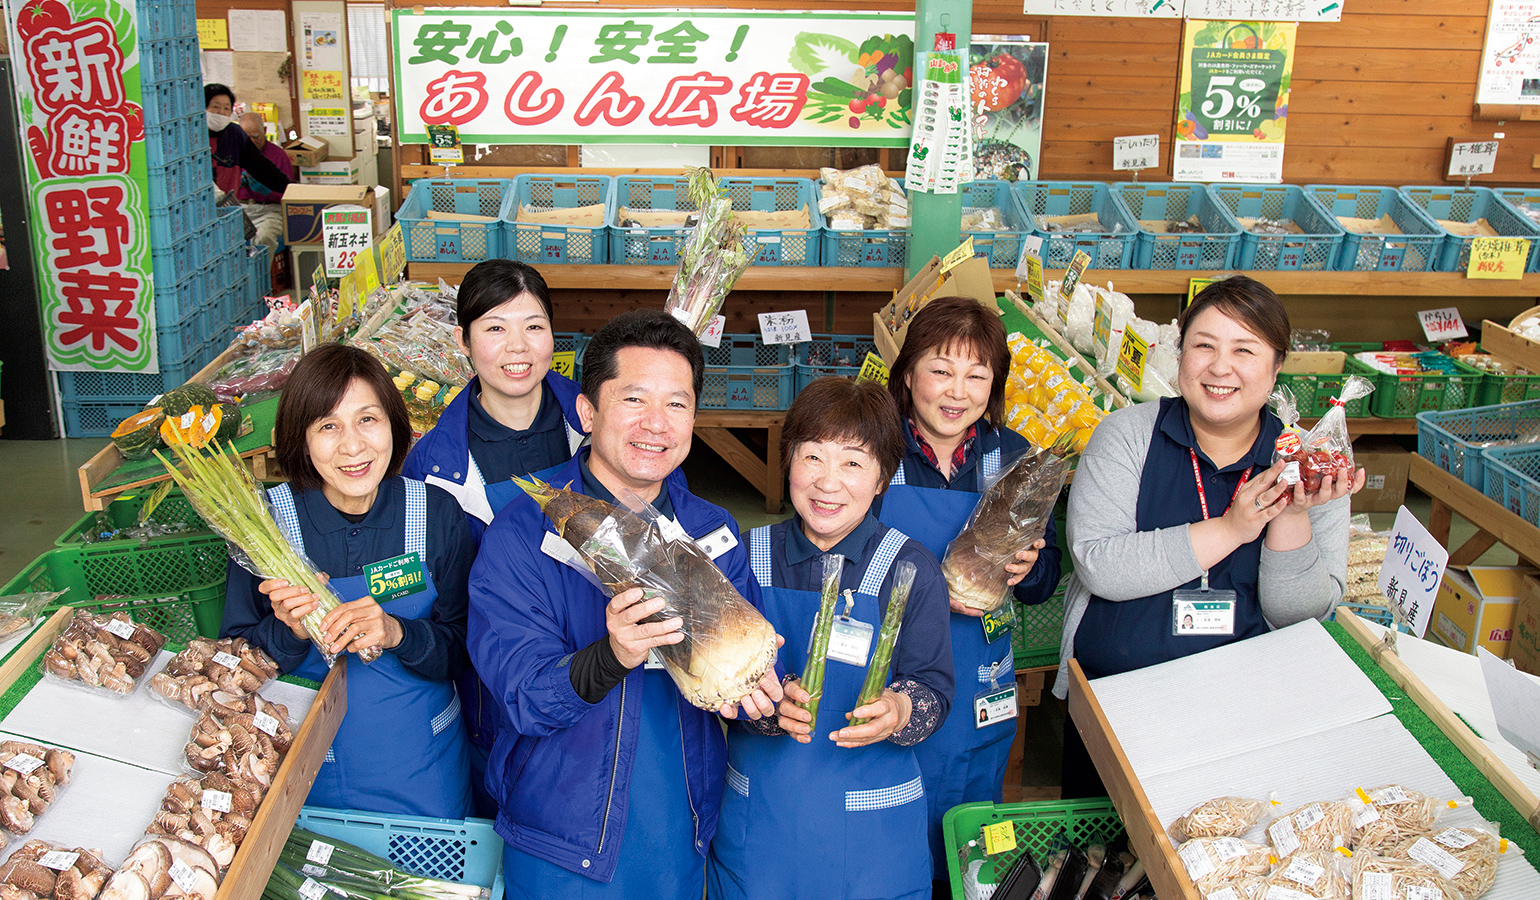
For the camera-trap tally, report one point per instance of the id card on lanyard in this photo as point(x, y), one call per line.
point(1205, 611)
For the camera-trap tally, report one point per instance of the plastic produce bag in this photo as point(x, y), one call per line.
point(19, 611)
point(1220, 817)
point(1010, 517)
point(214, 812)
point(1462, 846)
point(44, 871)
point(1376, 877)
point(103, 652)
point(230, 665)
point(1315, 826)
point(1389, 814)
point(1314, 873)
point(243, 738)
point(163, 867)
point(1326, 447)
point(711, 258)
point(1211, 861)
point(727, 644)
point(31, 779)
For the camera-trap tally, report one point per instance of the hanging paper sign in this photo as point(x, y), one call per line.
point(1007, 81)
point(1130, 154)
point(1472, 158)
point(1030, 268)
point(213, 34)
point(712, 336)
point(1442, 324)
point(564, 363)
point(1131, 358)
point(962, 254)
point(941, 149)
point(1233, 101)
point(1412, 571)
point(393, 254)
point(1077, 267)
point(346, 232)
point(785, 327)
point(444, 146)
point(873, 369)
point(323, 85)
point(1497, 258)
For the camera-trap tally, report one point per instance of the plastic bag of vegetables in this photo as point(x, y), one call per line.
point(727, 644)
point(1011, 516)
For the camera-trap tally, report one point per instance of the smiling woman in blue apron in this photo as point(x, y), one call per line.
point(842, 805)
point(949, 383)
point(402, 549)
point(1177, 509)
point(517, 416)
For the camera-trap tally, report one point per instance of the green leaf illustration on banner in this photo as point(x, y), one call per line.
point(1210, 35)
point(116, 14)
point(816, 53)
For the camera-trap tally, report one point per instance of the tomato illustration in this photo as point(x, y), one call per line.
point(998, 82)
point(135, 116)
point(39, 14)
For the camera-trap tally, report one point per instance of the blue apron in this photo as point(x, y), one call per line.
point(657, 860)
point(818, 820)
point(961, 763)
point(400, 749)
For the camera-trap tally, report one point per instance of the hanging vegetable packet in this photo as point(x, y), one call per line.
point(107, 653)
point(1326, 447)
point(711, 259)
point(818, 643)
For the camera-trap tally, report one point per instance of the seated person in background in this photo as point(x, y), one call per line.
point(232, 151)
point(260, 203)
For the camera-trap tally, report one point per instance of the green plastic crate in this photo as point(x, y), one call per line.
point(1038, 631)
point(1313, 391)
point(1036, 825)
point(1404, 396)
point(1497, 389)
point(175, 509)
point(157, 589)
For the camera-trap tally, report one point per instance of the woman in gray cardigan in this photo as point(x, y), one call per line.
point(1184, 538)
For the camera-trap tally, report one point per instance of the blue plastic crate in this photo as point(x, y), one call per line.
point(229, 231)
point(534, 243)
point(159, 61)
point(177, 302)
point(1458, 204)
point(1520, 199)
point(1001, 247)
point(1415, 249)
point(1513, 479)
point(177, 339)
point(575, 343)
point(164, 21)
point(434, 240)
point(1312, 250)
point(259, 273)
point(120, 387)
point(177, 219)
point(176, 179)
point(831, 354)
point(1216, 247)
point(96, 418)
point(766, 246)
point(468, 851)
point(1456, 441)
point(171, 264)
point(743, 372)
point(176, 138)
point(883, 248)
point(1110, 248)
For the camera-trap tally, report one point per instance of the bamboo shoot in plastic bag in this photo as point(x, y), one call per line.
point(727, 644)
point(1011, 516)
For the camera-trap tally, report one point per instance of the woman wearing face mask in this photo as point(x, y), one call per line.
point(1180, 497)
point(516, 416)
point(231, 150)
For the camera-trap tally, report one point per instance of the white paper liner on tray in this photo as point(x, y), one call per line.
point(137, 729)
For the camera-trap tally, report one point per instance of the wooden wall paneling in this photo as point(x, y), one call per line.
point(220, 9)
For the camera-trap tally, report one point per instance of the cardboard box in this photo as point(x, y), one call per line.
point(1475, 607)
point(1524, 648)
point(969, 278)
point(1386, 465)
point(303, 203)
point(306, 151)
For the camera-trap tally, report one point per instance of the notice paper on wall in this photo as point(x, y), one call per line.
point(262, 30)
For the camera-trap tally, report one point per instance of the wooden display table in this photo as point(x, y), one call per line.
point(1494, 522)
point(765, 474)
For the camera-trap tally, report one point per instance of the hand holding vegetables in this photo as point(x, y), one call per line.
point(1017, 570)
point(630, 636)
point(883, 716)
point(348, 627)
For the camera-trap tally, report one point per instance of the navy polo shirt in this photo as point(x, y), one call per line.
point(1123, 636)
point(501, 452)
point(593, 488)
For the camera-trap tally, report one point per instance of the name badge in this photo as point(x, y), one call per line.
point(553, 546)
point(850, 640)
point(718, 542)
point(671, 529)
point(654, 659)
point(391, 579)
point(1202, 612)
point(991, 707)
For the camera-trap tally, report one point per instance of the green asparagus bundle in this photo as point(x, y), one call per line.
point(354, 873)
point(233, 504)
point(818, 653)
point(887, 637)
point(711, 259)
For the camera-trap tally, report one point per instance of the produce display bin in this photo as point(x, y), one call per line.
point(446, 240)
point(746, 373)
point(1315, 377)
point(1035, 638)
point(1216, 247)
point(1458, 441)
point(1404, 396)
point(1036, 826)
point(535, 243)
point(157, 586)
point(766, 246)
point(1513, 479)
point(1458, 204)
point(1520, 198)
point(831, 354)
point(1110, 248)
point(468, 852)
point(173, 509)
point(1415, 249)
point(1314, 250)
point(869, 247)
point(1500, 388)
point(1002, 247)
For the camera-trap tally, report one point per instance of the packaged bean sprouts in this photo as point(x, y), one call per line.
point(1325, 825)
point(1467, 854)
point(1219, 817)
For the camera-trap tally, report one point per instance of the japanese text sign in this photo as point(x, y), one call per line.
point(1077, 267)
point(1497, 258)
point(392, 255)
point(346, 232)
point(522, 76)
point(444, 146)
point(1442, 324)
point(788, 327)
point(77, 92)
point(1131, 357)
point(1233, 100)
point(873, 369)
point(1030, 268)
point(1412, 571)
point(1141, 151)
point(1472, 158)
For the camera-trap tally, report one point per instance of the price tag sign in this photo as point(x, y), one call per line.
point(25, 763)
point(444, 146)
point(312, 890)
point(319, 852)
point(218, 801)
point(267, 725)
point(1195, 287)
point(346, 231)
point(957, 257)
point(1412, 571)
point(1131, 356)
point(712, 336)
point(564, 363)
point(393, 254)
point(999, 837)
point(788, 327)
point(1472, 158)
point(307, 335)
point(122, 629)
point(1497, 258)
point(58, 860)
point(1442, 324)
point(1077, 267)
point(228, 660)
point(1030, 267)
point(873, 369)
point(184, 876)
point(1140, 151)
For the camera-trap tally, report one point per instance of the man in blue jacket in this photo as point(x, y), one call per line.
point(607, 780)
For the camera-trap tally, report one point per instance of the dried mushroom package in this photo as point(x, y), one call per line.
point(229, 667)
point(38, 870)
point(728, 645)
point(107, 653)
point(214, 812)
point(31, 778)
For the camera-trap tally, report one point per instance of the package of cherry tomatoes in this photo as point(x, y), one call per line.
point(1310, 456)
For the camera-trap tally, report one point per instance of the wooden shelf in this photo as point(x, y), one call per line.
point(1496, 523)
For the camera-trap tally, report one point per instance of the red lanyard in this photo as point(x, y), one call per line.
point(1202, 495)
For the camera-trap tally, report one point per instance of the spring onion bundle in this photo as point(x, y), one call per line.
point(233, 504)
point(887, 637)
point(711, 259)
point(818, 653)
point(354, 873)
